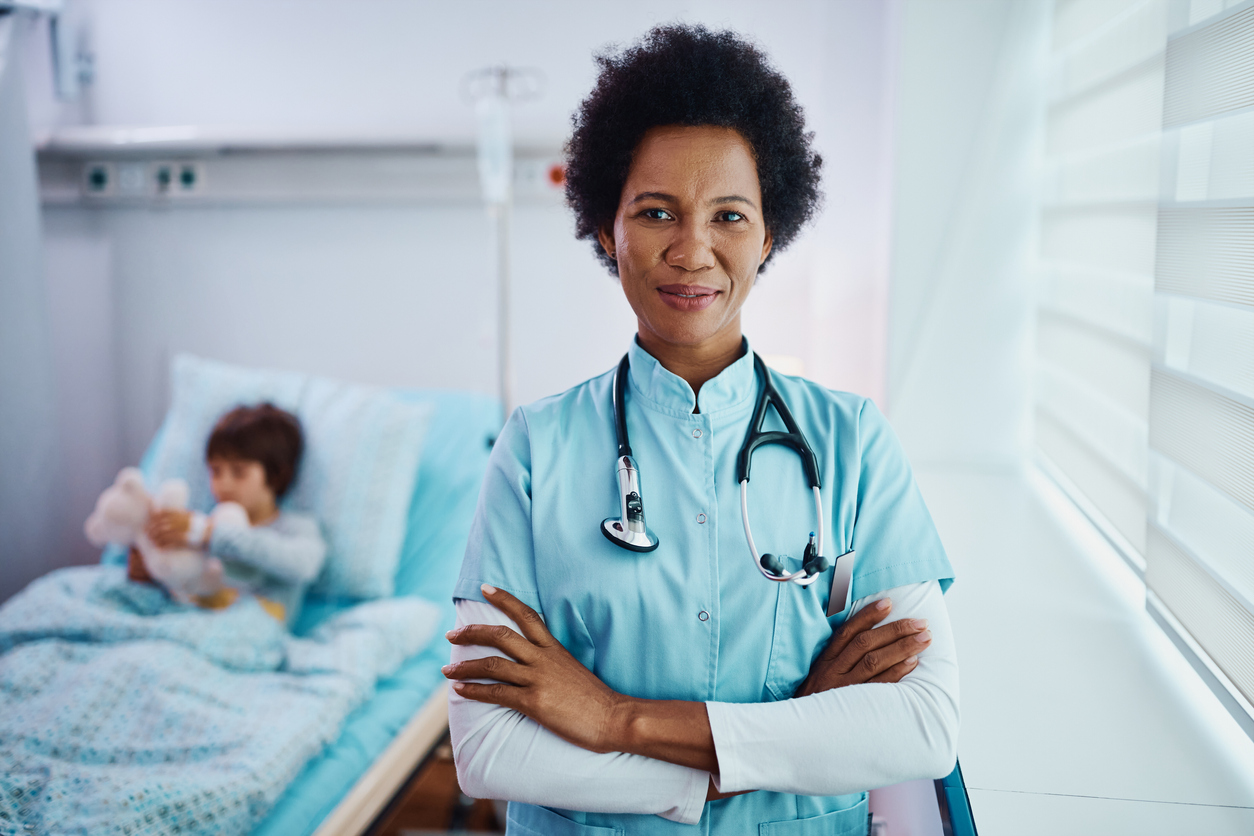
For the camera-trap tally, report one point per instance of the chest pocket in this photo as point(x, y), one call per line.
point(801, 631)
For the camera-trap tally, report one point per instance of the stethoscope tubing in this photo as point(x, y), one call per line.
point(799, 577)
point(630, 531)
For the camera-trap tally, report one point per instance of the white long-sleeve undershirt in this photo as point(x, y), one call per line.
point(839, 741)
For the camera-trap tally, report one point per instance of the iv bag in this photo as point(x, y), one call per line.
point(496, 151)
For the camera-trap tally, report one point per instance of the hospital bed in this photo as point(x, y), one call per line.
point(383, 742)
point(348, 786)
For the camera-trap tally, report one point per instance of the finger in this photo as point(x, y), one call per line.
point(898, 671)
point(493, 635)
point(864, 619)
point(527, 619)
point(875, 662)
point(496, 692)
point(869, 641)
point(488, 667)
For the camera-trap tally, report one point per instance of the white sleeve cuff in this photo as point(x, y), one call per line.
point(693, 805)
point(196, 530)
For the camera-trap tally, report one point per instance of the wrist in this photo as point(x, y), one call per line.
point(199, 530)
point(622, 724)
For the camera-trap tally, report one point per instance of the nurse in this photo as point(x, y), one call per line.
point(678, 691)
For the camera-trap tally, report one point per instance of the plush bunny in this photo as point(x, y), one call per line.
point(121, 514)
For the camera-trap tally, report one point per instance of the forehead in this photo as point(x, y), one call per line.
point(232, 460)
point(693, 162)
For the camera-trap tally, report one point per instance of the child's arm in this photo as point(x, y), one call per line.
point(293, 554)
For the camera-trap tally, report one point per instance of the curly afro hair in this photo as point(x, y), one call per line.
point(688, 75)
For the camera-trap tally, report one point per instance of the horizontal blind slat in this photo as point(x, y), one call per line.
point(1115, 366)
point(1211, 435)
point(1118, 499)
point(1216, 530)
point(1122, 109)
point(1135, 37)
point(1216, 620)
point(1119, 238)
point(1095, 419)
point(1206, 340)
point(1207, 253)
point(1209, 71)
point(1119, 302)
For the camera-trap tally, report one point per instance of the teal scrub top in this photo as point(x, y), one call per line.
point(694, 620)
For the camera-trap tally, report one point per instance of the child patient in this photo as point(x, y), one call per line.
point(252, 457)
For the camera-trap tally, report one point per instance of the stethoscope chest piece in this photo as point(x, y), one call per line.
point(628, 529)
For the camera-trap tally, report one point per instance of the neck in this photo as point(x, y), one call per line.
point(697, 363)
point(263, 515)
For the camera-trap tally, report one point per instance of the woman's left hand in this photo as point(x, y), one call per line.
point(540, 679)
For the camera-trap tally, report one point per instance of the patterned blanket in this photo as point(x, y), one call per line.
point(124, 712)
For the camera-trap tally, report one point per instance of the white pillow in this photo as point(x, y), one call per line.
point(356, 476)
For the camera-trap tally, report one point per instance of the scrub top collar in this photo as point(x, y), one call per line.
point(670, 393)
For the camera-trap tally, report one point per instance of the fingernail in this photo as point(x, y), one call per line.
point(488, 590)
point(924, 637)
point(883, 604)
point(446, 669)
point(912, 661)
point(458, 686)
point(919, 624)
point(449, 635)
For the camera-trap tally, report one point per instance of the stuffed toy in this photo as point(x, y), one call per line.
point(121, 515)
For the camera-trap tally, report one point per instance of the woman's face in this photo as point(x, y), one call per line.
point(689, 235)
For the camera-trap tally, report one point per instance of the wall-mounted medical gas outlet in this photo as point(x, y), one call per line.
point(177, 178)
point(138, 179)
point(99, 179)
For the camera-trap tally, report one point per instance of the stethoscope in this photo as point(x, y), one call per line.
point(629, 530)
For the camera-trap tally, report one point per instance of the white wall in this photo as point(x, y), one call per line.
point(403, 295)
point(970, 100)
point(30, 469)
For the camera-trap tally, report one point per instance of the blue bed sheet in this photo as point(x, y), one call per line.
point(454, 458)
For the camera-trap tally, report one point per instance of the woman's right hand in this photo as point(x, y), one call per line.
point(861, 652)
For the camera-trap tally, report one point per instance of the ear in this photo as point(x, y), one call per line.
point(605, 237)
point(766, 248)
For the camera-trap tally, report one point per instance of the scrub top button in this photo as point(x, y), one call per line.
point(696, 433)
point(700, 519)
point(703, 615)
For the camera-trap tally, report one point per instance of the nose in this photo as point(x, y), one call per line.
point(690, 249)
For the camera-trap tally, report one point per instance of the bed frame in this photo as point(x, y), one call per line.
point(378, 786)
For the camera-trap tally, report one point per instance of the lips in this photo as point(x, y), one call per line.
point(687, 297)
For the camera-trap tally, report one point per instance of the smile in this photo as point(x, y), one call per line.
point(687, 297)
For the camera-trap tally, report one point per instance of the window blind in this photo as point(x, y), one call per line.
point(1098, 234)
point(1145, 316)
point(1200, 527)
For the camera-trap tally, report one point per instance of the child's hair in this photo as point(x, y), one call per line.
point(262, 433)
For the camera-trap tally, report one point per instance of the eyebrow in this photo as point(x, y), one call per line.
point(734, 198)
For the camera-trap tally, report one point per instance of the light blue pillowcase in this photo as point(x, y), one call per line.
point(357, 475)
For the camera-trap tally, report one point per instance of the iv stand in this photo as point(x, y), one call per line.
point(492, 90)
point(499, 214)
